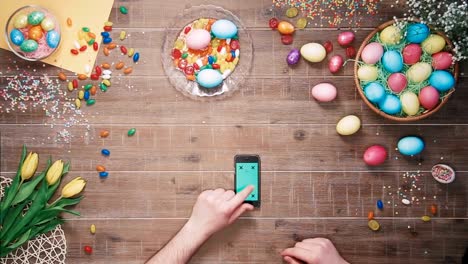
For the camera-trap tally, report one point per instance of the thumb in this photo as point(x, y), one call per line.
point(239, 211)
point(291, 260)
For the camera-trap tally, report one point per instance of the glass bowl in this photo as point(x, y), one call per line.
point(178, 78)
point(46, 31)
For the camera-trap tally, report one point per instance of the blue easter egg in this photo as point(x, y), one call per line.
point(411, 145)
point(391, 104)
point(16, 37)
point(392, 61)
point(53, 39)
point(374, 92)
point(442, 80)
point(224, 29)
point(417, 33)
point(209, 78)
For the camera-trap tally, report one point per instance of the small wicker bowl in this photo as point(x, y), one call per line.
point(426, 113)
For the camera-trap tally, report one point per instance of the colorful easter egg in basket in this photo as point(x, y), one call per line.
point(414, 65)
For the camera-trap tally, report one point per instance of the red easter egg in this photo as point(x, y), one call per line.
point(397, 82)
point(287, 39)
point(412, 54)
point(375, 155)
point(328, 46)
point(429, 97)
point(350, 52)
point(345, 38)
point(335, 63)
point(442, 60)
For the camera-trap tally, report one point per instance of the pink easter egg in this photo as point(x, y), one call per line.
point(397, 82)
point(412, 54)
point(335, 63)
point(323, 92)
point(345, 38)
point(442, 60)
point(372, 53)
point(198, 39)
point(375, 155)
point(429, 97)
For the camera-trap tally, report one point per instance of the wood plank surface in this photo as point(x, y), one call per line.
point(314, 182)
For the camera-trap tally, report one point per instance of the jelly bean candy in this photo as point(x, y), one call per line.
point(130, 52)
point(103, 87)
point(107, 28)
point(176, 54)
point(106, 82)
point(86, 96)
point(350, 52)
point(131, 132)
point(92, 229)
point(105, 152)
point(104, 133)
point(433, 209)
point(90, 102)
point(233, 54)
point(80, 95)
point(69, 22)
point(88, 86)
point(328, 46)
point(70, 86)
point(273, 23)
point(100, 168)
point(122, 35)
point(128, 70)
point(82, 77)
point(108, 23)
point(124, 50)
point(94, 77)
point(107, 40)
point(187, 30)
point(103, 174)
point(123, 10)
point(380, 204)
point(91, 41)
point(75, 83)
point(292, 12)
point(301, 23)
point(62, 76)
point(234, 44)
point(88, 250)
point(93, 90)
point(287, 39)
point(136, 57)
point(98, 70)
point(182, 64)
point(370, 215)
point(77, 103)
point(85, 29)
point(215, 66)
point(105, 34)
point(426, 218)
point(95, 46)
point(210, 60)
point(373, 225)
point(119, 65)
point(74, 51)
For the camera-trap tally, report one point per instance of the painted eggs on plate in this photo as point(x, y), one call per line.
point(209, 78)
point(224, 29)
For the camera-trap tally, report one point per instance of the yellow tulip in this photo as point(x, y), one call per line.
point(74, 187)
point(29, 166)
point(54, 172)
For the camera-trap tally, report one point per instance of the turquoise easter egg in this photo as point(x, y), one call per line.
point(29, 45)
point(16, 37)
point(417, 33)
point(53, 39)
point(209, 78)
point(442, 80)
point(374, 92)
point(35, 17)
point(390, 104)
point(224, 29)
point(410, 146)
point(392, 61)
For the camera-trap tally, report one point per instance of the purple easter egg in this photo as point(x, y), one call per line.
point(293, 57)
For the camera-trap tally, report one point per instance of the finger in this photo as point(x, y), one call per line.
point(291, 260)
point(228, 195)
point(240, 197)
point(218, 191)
point(239, 211)
point(320, 241)
point(300, 254)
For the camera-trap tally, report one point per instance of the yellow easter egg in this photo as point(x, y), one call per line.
point(313, 52)
point(367, 73)
point(390, 35)
point(47, 24)
point(348, 125)
point(419, 72)
point(410, 103)
point(433, 44)
point(21, 21)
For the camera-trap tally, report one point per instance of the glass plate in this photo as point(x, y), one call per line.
point(191, 88)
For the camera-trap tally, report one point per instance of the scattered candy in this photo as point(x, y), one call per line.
point(69, 22)
point(100, 168)
point(273, 23)
point(128, 70)
point(293, 57)
point(285, 28)
point(119, 65)
point(103, 174)
point(443, 173)
point(136, 57)
point(426, 218)
point(123, 10)
point(122, 35)
point(301, 23)
point(90, 102)
point(373, 225)
point(104, 133)
point(105, 152)
point(62, 76)
point(92, 229)
point(292, 12)
point(124, 50)
point(370, 215)
point(82, 77)
point(88, 250)
point(380, 204)
point(345, 38)
point(328, 46)
point(351, 52)
point(287, 39)
point(405, 201)
point(131, 132)
point(335, 64)
point(433, 209)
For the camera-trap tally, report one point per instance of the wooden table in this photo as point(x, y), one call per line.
point(314, 181)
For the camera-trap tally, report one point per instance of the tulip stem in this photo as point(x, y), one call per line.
point(58, 199)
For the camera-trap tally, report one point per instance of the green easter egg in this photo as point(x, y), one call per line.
point(35, 18)
point(29, 45)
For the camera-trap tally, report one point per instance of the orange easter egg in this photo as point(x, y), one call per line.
point(285, 27)
point(35, 33)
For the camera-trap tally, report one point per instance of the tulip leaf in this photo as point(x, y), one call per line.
point(11, 216)
point(44, 228)
point(23, 238)
point(28, 187)
point(51, 189)
point(11, 191)
point(68, 201)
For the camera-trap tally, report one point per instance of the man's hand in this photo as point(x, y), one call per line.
point(216, 209)
point(313, 251)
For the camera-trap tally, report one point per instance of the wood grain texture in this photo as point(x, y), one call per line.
point(314, 182)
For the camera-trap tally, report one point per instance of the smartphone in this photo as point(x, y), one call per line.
point(247, 172)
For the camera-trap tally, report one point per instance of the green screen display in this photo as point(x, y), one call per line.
point(247, 174)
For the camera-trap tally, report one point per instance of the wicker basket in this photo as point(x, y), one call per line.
point(426, 113)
